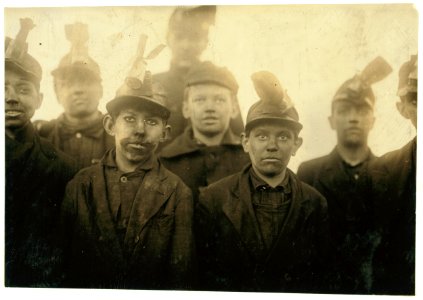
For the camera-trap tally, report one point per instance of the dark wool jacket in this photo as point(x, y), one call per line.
point(36, 176)
point(231, 250)
point(199, 165)
point(158, 245)
point(86, 144)
point(393, 182)
point(350, 217)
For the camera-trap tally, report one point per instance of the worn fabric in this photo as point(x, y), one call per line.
point(393, 184)
point(86, 143)
point(231, 250)
point(350, 217)
point(198, 165)
point(36, 176)
point(157, 252)
point(173, 81)
point(271, 205)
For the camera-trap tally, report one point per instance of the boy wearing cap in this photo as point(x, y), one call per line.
point(341, 177)
point(36, 175)
point(129, 219)
point(262, 229)
point(187, 38)
point(393, 182)
point(79, 130)
point(208, 150)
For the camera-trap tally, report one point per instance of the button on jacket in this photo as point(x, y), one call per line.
point(86, 143)
point(231, 250)
point(157, 250)
point(350, 217)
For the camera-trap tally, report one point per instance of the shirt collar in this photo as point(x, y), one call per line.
point(260, 184)
point(93, 129)
point(109, 160)
point(25, 135)
point(369, 156)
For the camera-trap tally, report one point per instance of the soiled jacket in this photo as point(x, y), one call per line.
point(158, 244)
point(232, 255)
point(198, 165)
point(351, 219)
point(86, 143)
point(393, 183)
point(36, 176)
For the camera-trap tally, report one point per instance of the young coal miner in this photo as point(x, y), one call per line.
point(393, 178)
point(187, 38)
point(129, 218)
point(208, 150)
point(36, 175)
point(79, 130)
point(342, 178)
point(262, 229)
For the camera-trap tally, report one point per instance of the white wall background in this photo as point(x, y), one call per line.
point(312, 49)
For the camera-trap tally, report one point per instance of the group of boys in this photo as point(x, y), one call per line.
point(92, 200)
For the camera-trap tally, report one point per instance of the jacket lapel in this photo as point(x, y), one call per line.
point(150, 197)
point(240, 212)
point(332, 173)
point(103, 216)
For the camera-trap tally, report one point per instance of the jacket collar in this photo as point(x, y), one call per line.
point(93, 129)
point(186, 143)
point(240, 212)
point(109, 160)
point(153, 192)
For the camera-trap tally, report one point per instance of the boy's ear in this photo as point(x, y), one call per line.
point(40, 99)
point(245, 142)
point(298, 142)
point(109, 125)
point(166, 133)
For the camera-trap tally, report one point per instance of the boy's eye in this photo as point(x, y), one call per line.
point(151, 122)
point(262, 137)
point(129, 119)
point(24, 90)
point(283, 137)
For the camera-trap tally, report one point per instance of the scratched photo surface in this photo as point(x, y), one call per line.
point(312, 50)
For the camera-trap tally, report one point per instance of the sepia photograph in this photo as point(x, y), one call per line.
point(198, 148)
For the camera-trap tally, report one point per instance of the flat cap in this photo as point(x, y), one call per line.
point(137, 93)
point(207, 72)
point(77, 59)
point(408, 75)
point(274, 103)
point(358, 89)
point(16, 52)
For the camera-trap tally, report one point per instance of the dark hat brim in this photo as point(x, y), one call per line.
point(297, 126)
point(12, 64)
point(147, 103)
